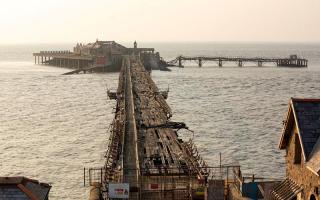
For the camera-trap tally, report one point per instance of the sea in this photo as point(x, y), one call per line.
point(52, 126)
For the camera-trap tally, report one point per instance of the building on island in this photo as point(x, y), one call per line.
point(99, 56)
point(104, 53)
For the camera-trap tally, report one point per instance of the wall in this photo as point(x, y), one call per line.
point(298, 172)
point(150, 60)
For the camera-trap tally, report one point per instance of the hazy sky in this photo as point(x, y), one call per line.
point(50, 21)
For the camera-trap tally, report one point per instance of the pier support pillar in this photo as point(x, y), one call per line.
point(35, 60)
point(220, 63)
point(180, 62)
point(42, 60)
point(200, 62)
point(240, 63)
point(259, 63)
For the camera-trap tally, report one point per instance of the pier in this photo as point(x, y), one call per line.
point(292, 61)
point(145, 150)
point(147, 160)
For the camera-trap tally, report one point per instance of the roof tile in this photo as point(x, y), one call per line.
point(308, 115)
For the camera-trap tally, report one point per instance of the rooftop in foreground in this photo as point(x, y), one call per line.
point(22, 188)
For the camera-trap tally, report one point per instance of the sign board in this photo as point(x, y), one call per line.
point(119, 190)
point(154, 186)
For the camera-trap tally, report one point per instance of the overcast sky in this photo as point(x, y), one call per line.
point(51, 21)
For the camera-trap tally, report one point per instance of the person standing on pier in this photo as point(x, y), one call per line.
point(135, 45)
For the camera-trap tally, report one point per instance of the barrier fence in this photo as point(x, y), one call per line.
point(169, 184)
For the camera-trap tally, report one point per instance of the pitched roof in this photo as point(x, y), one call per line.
point(21, 188)
point(305, 113)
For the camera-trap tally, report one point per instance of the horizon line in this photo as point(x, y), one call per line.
point(159, 42)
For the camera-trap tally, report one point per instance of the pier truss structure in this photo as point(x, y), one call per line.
point(292, 61)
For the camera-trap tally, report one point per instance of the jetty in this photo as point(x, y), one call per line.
point(146, 158)
point(292, 61)
point(144, 142)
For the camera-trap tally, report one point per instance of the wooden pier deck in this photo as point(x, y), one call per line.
point(292, 61)
point(144, 148)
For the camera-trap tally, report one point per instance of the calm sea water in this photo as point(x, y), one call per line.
point(51, 126)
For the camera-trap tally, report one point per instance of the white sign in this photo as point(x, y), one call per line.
point(119, 190)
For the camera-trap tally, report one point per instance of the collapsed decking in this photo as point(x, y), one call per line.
point(144, 148)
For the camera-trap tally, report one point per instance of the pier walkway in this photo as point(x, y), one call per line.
point(130, 149)
point(292, 61)
point(145, 150)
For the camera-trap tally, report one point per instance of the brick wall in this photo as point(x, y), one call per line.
point(298, 172)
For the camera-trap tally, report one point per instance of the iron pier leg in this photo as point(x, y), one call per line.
point(180, 62)
point(84, 177)
point(200, 62)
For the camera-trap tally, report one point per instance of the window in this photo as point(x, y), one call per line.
point(312, 197)
point(297, 150)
